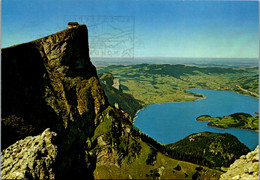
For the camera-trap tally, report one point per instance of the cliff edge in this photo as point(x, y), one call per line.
point(51, 83)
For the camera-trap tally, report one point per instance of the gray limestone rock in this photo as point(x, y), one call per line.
point(32, 157)
point(244, 168)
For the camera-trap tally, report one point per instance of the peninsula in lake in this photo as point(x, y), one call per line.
point(237, 120)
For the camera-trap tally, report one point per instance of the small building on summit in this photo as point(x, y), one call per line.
point(72, 24)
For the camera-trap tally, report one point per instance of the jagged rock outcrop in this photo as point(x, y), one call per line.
point(108, 79)
point(117, 97)
point(116, 84)
point(32, 157)
point(51, 83)
point(115, 138)
point(244, 168)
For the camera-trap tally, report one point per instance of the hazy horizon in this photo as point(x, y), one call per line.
point(207, 62)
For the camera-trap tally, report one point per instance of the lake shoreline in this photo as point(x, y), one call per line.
point(192, 100)
point(145, 122)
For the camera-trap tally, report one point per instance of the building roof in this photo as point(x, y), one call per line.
point(73, 23)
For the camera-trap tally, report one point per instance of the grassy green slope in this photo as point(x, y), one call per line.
point(123, 154)
point(165, 165)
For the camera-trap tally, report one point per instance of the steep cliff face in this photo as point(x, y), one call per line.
point(51, 83)
point(108, 79)
point(116, 95)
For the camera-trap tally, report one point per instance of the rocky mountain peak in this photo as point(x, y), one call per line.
point(51, 83)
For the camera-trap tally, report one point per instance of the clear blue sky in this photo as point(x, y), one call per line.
point(163, 28)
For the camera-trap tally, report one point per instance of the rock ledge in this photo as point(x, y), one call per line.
point(32, 157)
point(244, 168)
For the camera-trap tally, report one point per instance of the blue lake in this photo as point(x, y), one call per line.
point(171, 122)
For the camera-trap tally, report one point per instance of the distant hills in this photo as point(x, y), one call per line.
point(159, 83)
point(202, 62)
